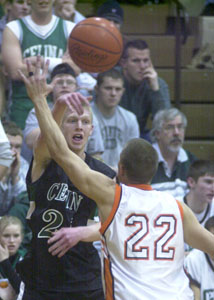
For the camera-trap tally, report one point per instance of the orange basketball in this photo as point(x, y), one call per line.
point(95, 45)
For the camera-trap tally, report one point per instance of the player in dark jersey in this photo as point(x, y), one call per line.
point(57, 203)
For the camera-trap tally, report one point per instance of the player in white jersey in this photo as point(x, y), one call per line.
point(200, 269)
point(149, 242)
point(148, 235)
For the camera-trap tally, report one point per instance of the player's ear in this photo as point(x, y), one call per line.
point(191, 182)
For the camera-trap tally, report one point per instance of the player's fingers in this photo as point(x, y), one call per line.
point(63, 252)
point(38, 65)
point(29, 67)
point(23, 77)
point(76, 103)
point(45, 67)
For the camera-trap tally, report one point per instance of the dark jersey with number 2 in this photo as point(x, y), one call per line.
point(58, 203)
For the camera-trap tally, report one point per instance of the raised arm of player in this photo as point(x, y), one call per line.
point(93, 184)
point(196, 235)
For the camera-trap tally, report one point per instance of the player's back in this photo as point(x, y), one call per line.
point(143, 247)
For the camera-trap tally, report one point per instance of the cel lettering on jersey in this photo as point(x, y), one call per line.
point(60, 192)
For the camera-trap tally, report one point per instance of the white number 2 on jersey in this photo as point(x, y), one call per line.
point(135, 244)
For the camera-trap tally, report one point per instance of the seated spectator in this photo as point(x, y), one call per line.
point(167, 134)
point(6, 157)
point(200, 197)
point(13, 183)
point(11, 235)
point(145, 93)
point(112, 11)
point(65, 9)
point(200, 270)
point(117, 125)
point(20, 210)
point(64, 81)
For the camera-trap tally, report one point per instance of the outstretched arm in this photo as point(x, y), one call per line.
point(66, 238)
point(93, 184)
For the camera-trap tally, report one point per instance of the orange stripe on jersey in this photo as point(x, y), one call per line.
point(108, 280)
point(146, 187)
point(181, 209)
point(114, 209)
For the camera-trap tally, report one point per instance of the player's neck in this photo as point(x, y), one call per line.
point(41, 19)
point(195, 203)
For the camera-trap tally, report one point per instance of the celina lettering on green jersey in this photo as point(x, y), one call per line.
point(43, 50)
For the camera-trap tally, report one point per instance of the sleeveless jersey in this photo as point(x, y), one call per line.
point(58, 203)
point(143, 247)
point(53, 44)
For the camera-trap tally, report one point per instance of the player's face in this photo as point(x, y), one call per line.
point(76, 129)
point(63, 84)
point(109, 92)
point(204, 188)
point(137, 62)
point(42, 7)
point(171, 136)
point(19, 9)
point(11, 237)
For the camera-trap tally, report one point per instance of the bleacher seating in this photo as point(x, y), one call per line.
point(196, 86)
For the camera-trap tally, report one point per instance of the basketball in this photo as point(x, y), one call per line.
point(95, 45)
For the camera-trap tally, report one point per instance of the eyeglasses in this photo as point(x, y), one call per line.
point(68, 82)
point(170, 127)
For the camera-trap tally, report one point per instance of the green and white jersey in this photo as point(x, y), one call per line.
point(49, 41)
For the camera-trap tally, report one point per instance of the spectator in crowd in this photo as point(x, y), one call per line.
point(65, 9)
point(200, 197)
point(76, 275)
point(40, 33)
point(130, 212)
point(64, 81)
point(11, 235)
point(117, 125)
point(168, 132)
point(14, 9)
point(6, 157)
point(200, 269)
point(13, 183)
point(112, 11)
point(145, 93)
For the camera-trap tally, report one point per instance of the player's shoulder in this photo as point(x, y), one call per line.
point(99, 166)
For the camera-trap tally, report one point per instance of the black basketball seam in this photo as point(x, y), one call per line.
point(76, 39)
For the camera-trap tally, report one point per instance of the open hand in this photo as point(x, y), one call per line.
point(36, 83)
point(64, 239)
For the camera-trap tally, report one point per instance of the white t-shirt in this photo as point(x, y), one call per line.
point(200, 269)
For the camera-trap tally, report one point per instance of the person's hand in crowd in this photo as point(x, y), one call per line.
point(152, 76)
point(4, 252)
